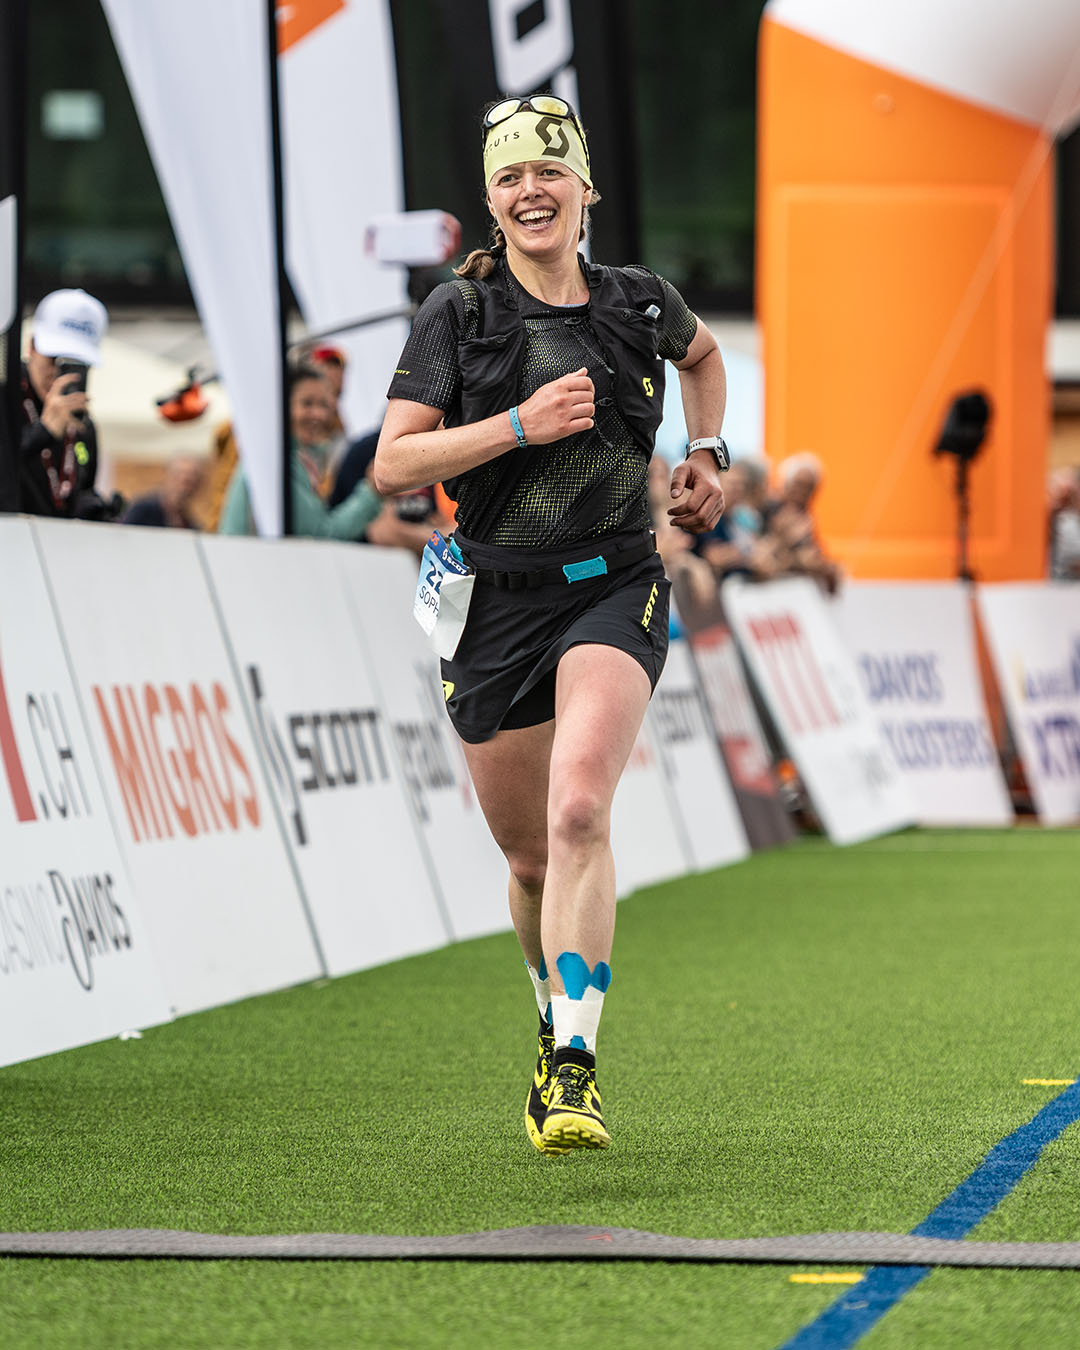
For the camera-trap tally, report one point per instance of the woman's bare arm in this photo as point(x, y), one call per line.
point(415, 450)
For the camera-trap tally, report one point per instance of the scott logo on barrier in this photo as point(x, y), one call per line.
point(176, 763)
point(61, 792)
point(329, 750)
point(679, 715)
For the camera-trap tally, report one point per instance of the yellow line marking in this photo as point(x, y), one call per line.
point(827, 1277)
point(1047, 1082)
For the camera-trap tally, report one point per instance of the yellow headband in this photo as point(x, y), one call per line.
point(528, 136)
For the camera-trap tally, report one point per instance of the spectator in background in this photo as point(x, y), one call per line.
point(332, 361)
point(406, 520)
point(736, 544)
point(675, 545)
point(1065, 524)
point(311, 411)
point(224, 456)
point(171, 505)
point(789, 526)
point(58, 456)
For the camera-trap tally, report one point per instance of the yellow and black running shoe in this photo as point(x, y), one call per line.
point(536, 1102)
point(573, 1117)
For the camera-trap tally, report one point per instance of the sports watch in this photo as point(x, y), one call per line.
point(717, 445)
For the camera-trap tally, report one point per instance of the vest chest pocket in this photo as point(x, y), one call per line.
point(639, 371)
point(489, 370)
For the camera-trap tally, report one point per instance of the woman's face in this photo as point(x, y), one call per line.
point(538, 207)
point(311, 410)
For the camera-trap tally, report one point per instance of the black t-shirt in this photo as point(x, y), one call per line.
point(583, 487)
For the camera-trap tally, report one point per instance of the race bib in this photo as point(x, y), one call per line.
point(443, 592)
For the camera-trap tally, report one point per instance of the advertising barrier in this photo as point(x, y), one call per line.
point(328, 750)
point(686, 744)
point(1033, 633)
point(648, 842)
point(470, 871)
point(809, 683)
point(738, 728)
point(914, 650)
point(76, 960)
point(178, 761)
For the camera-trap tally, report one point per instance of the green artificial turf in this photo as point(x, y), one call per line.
point(817, 1039)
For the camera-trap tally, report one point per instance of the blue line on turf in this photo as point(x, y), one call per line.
point(855, 1312)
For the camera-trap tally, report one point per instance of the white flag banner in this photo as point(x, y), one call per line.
point(9, 215)
point(808, 680)
point(914, 649)
point(1033, 632)
point(199, 76)
point(341, 139)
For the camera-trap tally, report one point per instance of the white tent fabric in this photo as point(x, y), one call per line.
point(342, 150)
point(1020, 59)
point(199, 76)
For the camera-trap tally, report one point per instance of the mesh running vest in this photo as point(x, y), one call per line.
point(477, 348)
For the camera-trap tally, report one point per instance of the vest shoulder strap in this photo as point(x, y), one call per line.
point(474, 311)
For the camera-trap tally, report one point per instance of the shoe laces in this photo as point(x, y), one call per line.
point(546, 1053)
point(573, 1082)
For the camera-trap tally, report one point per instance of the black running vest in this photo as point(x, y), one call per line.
point(619, 301)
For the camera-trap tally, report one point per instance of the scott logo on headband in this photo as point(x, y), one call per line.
point(544, 128)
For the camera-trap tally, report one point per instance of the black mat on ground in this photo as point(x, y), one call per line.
point(555, 1243)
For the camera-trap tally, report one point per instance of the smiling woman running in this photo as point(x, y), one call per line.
point(532, 387)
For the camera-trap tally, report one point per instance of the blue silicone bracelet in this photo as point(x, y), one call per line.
point(515, 422)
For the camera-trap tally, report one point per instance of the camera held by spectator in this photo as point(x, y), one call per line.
point(58, 449)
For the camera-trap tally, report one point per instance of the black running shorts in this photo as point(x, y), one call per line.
point(503, 673)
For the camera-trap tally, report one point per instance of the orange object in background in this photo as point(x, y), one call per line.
point(904, 256)
point(445, 506)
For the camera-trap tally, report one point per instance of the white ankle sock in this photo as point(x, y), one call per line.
point(542, 988)
point(577, 1019)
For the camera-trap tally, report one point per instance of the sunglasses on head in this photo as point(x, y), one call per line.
point(548, 105)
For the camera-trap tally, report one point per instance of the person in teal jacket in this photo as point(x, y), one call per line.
point(311, 411)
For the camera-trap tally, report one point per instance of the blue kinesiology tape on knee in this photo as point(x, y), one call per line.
point(577, 1012)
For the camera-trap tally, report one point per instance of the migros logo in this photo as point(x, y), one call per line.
point(176, 763)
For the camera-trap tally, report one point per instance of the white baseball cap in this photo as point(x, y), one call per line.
point(70, 324)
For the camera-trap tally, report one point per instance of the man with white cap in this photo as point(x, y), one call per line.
point(58, 449)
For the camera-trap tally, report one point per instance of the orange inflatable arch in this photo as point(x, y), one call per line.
point(905, 256)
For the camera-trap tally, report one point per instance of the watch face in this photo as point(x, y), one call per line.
point(722, 453)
